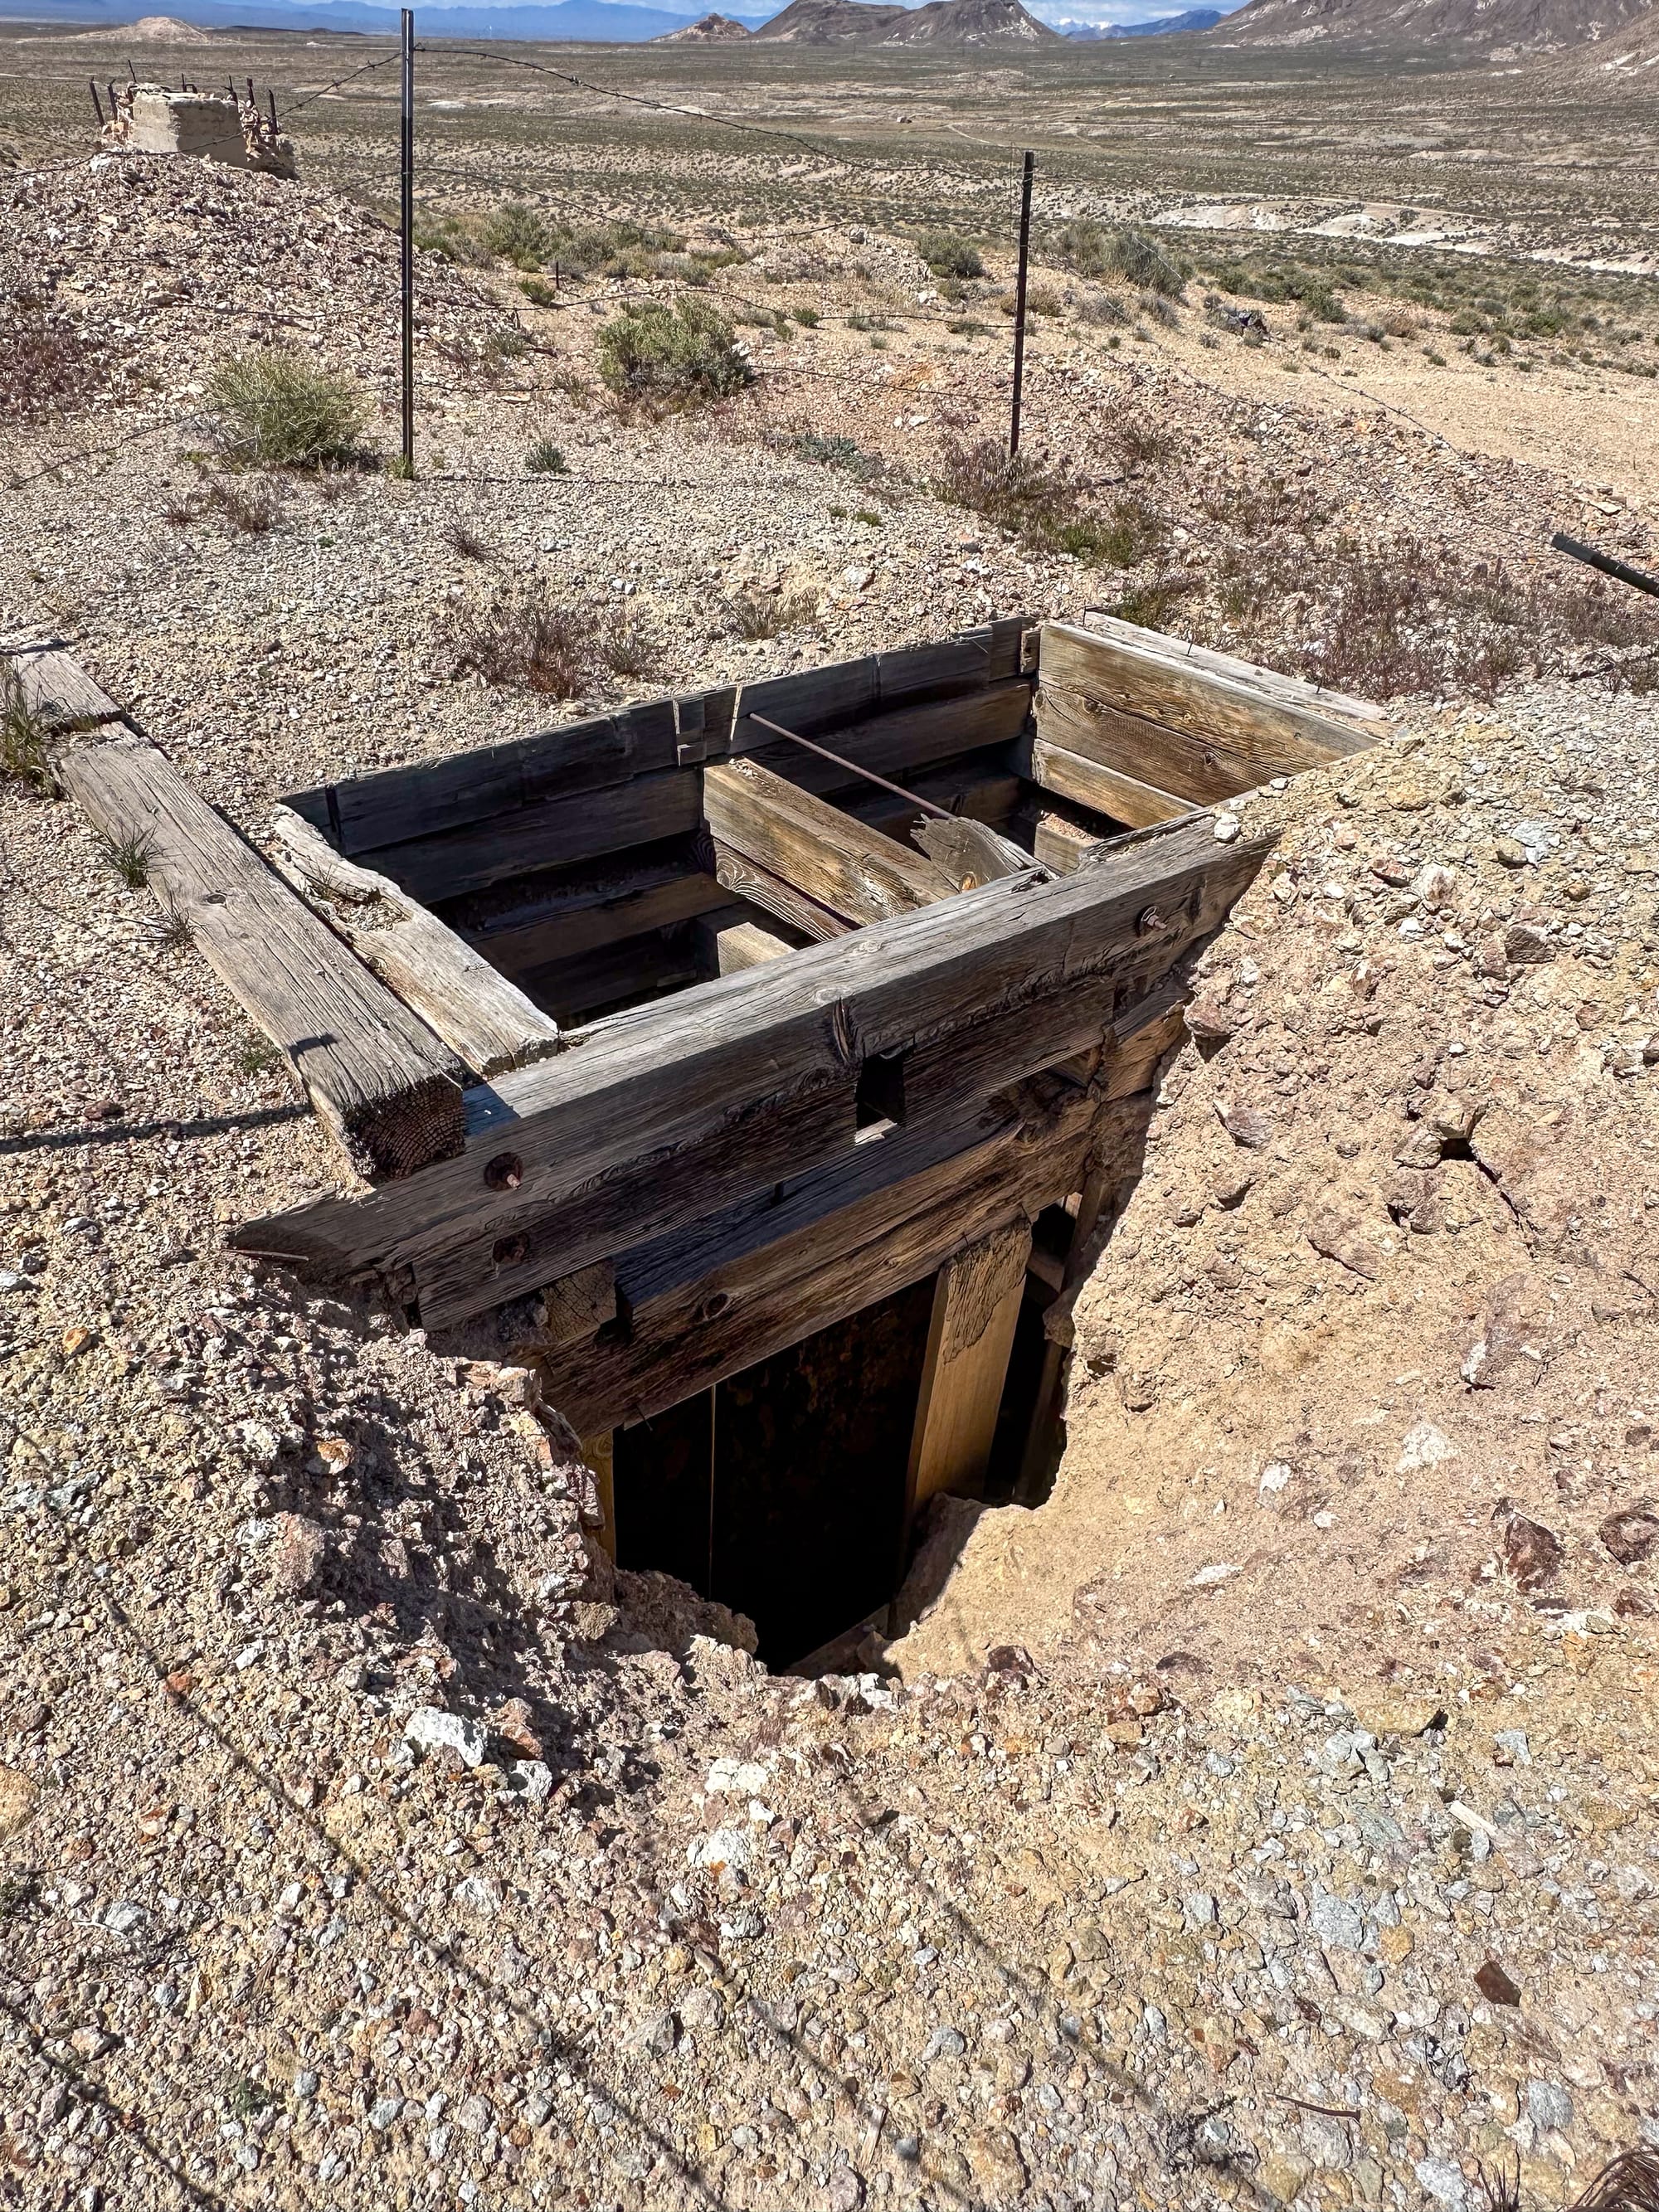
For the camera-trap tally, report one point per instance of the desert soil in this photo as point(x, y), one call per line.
point(1269, 1818)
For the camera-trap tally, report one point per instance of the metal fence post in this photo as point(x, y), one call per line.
point(407, 239)
point(1019, 302)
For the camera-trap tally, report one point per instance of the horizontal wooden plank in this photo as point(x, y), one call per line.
point(896, 744)
point(736, 871)
point(730, 939)
point(633, 969)
point(461, 998)
point(1295, 689)
point(1139, 1036)
point(1194, 771)
point(650, 1197)
point(421, 799)
point(560, 915)
point(826, 855)
point(1276, 735)
point(386, 1087)
point(548, 833)
point(979, 786)
point(1090, 783)
point(736, 1052)
point(736, 1291)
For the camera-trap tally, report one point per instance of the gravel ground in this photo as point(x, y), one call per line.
point(364, 1842)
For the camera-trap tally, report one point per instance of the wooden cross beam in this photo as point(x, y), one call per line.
point(823, 854)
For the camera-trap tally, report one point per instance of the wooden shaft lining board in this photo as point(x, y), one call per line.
point(1280, 736)
point(822, 853)
point(736, 871)
point(482, 1018)
point(843, 1250)
point(518, 926)
point(1192, 771)
point(386, 1087)
point(655, 1084)
point(1092, 783)
point(977, 1301)
point(1294, 690)
point(896, 744)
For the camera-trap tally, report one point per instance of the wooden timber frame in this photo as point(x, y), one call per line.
point(906, 1038)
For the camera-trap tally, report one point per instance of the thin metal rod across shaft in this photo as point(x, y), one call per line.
point(942, 814)
point(406, 242)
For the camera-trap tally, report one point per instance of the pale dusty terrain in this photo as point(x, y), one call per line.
point(363, 1843)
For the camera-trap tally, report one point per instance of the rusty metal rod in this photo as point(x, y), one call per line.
point(1619, 571)
point(942, 814)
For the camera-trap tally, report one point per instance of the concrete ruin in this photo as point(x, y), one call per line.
point(152, 118)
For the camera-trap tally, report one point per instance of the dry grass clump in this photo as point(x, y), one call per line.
point(46, 366)
point(678, 356)
point(530, 644)
point(757, 613)
point(23, 756)
point(1046, 505)
point(273, 409)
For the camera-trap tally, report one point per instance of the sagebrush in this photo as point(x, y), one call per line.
point(273, 409)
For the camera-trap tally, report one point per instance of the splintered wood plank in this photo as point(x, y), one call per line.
point(1278, 736)
point(1139, 1036)
point(1059, 842)
point(736, 871)
point(731, 939)
point(381, 1081)
point(1294, 690)
point(824, 854)
point(550, 832)
point(736, 1289)
point(734, 1060)
point(977, 1301)
point(58, 691)
point(1092, 783)
point(465, 1001)
point(980, 789)
point(898, 744)
point(968, 852)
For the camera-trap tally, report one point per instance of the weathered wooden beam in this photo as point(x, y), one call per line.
point(1169, 765)
point(1090, 783)
point(735, 1059)
point(737, 1289)
point(736, 871)
point(562, 915)
point(546, 833)
point(1295, 690)
point(1060, 841)
point(730, 939)
point(579, 990)
point(458, 995)
point(977, 1301)
point(980, 788)
point(824, 854)
point(1280, 734)
point(380, 1079)
point(57, 692)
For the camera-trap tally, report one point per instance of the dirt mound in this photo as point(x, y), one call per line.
point(1368, 1360)
point(707, 30)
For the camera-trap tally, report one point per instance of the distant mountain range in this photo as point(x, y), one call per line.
point(807, 22)
point(1509, 27)
point(1195, 19)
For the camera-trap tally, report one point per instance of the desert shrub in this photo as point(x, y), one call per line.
point(128, 858)
point(526, 644)
point(836, 453)
point(1101, 308)
point(457, 237)
point(539, 292)
point(625, 249)
point(626, 650)
point(46, 366)
point(271, 409)
point(806, 317)
point(1092, 250)
point(516, 234)
point(949, 255)
point(471, 544)
point(674, 357)
point(545, 459)
point(1129, 533)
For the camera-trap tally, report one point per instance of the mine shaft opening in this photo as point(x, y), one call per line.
point(769, 1095)
point(793, 1492)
